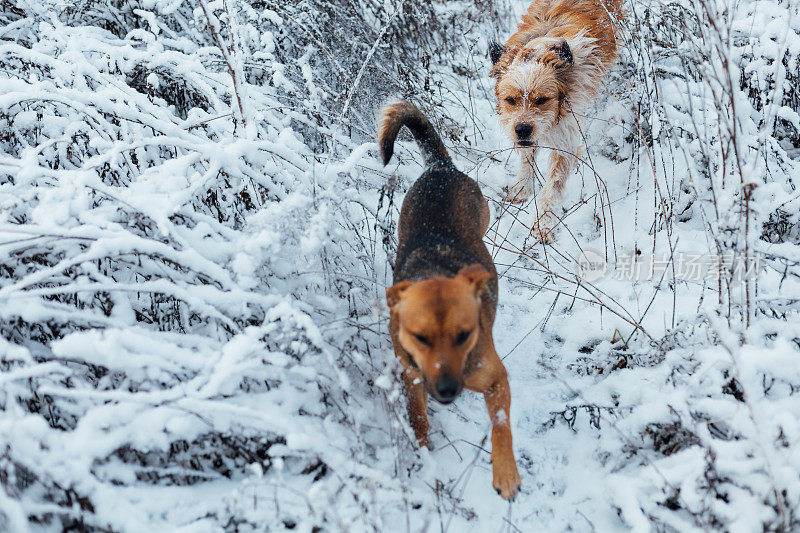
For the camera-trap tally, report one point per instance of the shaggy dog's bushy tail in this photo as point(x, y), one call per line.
point(399, 113)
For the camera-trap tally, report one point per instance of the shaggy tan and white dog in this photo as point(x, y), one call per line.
point(548, 73)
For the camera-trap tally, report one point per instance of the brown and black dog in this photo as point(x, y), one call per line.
point(444, 296)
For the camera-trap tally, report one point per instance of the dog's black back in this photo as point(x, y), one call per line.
point(444, 214)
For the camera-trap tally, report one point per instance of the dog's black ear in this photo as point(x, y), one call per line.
point(564, 53)
point(496, 51)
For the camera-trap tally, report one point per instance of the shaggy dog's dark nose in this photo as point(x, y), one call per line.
point(523, 130)
point(447, 389)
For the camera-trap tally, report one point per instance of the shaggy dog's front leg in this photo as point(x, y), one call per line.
point(549, 201)
point(522, 190)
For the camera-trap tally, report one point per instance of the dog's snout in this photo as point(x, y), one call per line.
point(523, 130)
point(447, 389)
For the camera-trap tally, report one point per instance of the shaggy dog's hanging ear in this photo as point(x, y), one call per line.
point(496, 51)
point(563, 67)
point(564, 53)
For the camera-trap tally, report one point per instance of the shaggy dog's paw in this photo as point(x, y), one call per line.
point(518, 193)
point(543, 229)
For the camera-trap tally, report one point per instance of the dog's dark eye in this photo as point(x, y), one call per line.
point(511, 101)
point(422, 339)
point(542, 100)
point(462, 337)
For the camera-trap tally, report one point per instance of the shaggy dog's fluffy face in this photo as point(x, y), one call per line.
point(527, 102)
point(529, 88)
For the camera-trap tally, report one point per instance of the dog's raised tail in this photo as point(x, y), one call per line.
point(399, 113)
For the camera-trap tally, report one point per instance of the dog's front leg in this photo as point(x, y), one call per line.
point(417, 405)
point(523, 188)
point(505, 476)
point(549, 199)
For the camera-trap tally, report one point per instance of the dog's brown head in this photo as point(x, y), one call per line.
point(531, 87)
point(438, 325)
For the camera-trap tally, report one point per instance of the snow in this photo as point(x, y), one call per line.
point(194, 331)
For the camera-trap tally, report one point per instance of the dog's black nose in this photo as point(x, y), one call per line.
point(447, 389)
point(523, 130)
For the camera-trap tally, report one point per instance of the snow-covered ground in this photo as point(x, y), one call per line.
point(194, 332)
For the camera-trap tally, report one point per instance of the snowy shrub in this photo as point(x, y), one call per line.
point(706, 447)
point(197, 235)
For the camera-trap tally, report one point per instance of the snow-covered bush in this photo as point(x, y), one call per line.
point(704, 438)
point(196, 237)
point(167, 264)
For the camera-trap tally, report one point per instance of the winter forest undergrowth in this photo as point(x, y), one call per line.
point(197, 235)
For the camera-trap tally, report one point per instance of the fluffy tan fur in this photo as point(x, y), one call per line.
point(547, 73)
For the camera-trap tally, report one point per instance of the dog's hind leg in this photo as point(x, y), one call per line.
point(485, 216)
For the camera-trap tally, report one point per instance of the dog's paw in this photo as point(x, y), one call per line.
point(421, 433)
point(506, 479)
point(542, 234)
point(517, 193)
point(543, 229)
